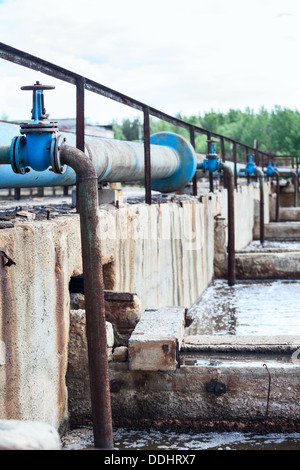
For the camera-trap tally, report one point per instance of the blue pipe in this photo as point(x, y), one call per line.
point(173, 161)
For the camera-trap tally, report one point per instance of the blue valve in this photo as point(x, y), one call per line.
point(38, 145)
point(271, 169)
point(250, 167)
point(212, 162)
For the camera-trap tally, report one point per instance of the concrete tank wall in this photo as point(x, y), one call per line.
point(34, 303)
point(164, 253)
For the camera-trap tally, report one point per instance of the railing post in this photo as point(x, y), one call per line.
point(192, 140)
point(223, 156)
point(234, 160)
point(80, 144)
point(248, 176)
point(147, 156)
point(211, 179)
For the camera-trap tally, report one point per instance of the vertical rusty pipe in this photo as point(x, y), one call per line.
point(211, 182)
point(231, 223)
point(80, 88)
point(147, 156)
point(94, 294)
point(210, 175)
point(277, 195)
point(235, 166)
point(192, 140)
point(260, 175)
point(294, 175)
point(248, 176)
point(17, 194)
point(223, 155)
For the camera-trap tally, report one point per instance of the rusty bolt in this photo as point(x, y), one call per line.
point(215, 387)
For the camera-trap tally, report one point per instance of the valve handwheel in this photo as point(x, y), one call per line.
point(37, 86)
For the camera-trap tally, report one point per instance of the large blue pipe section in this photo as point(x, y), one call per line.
point(173, 161)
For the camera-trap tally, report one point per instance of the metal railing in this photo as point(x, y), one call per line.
point(82, 83)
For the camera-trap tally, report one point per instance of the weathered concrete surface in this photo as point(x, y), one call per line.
point(246, 211)
point(267, 210)
point(247, 222)
point(268, 264)
point(157, 338)
point(282, 231)
point(289, 214)
point(122, 310)
point(244, 343)
point(77, 374)
point(230, 395)
point(34, 318)
point(28, 435)
point(163, 253)
point(287, 195)
point(141, 242)
point(182, 399)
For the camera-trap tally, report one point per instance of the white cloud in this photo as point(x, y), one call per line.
point(176, 56)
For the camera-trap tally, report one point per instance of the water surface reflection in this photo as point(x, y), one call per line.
point(247, 308)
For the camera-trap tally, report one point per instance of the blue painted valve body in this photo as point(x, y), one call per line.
point(250, 167)
point(270, 171)
point(212, 162)
point(38, 146)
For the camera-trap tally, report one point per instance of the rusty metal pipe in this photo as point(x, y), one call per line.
point(277, 195)
point(261, 175)
point(94, 294)
point(231, 223)
point(294, 175)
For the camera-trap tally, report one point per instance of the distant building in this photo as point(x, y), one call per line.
point(69, 125)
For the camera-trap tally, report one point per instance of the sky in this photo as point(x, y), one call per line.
point(188, 56)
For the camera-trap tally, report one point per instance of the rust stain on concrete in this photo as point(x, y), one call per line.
point(60, 326)
point(11, 400)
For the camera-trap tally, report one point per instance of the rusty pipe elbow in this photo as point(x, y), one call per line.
point(78, 160)
point(227, 169)
point(94, 293)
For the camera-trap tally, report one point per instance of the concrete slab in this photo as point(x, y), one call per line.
point(156, 340)
point(226, 396)
point(28, 435)
point(282, 231)
point(245, 343)
point(289, 214)
point(269, 264)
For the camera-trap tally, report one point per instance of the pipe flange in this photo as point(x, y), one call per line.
point(55, 154)
point(42, 126)
point(187, 162)
point(17, 163)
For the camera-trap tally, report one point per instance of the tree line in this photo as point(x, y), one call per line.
point(276, 131)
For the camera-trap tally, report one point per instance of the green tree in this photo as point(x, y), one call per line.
point(275, 130)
